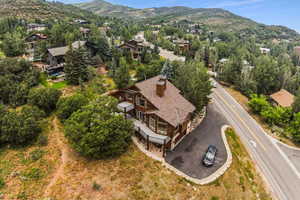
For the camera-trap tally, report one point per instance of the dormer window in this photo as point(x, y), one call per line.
point(140, 101)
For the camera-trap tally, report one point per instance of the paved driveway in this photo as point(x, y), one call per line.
point(187, 156)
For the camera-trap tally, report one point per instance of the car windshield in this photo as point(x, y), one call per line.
point(209, 155)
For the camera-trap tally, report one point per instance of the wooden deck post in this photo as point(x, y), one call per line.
point(164, 148)
point(125, 113)
point(139, 130)
point(147, 142)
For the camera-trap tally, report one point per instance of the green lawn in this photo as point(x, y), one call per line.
point(59, 85)
point(44, 81)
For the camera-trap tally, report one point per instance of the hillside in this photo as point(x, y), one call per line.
point(40, 9)
point(216, 18)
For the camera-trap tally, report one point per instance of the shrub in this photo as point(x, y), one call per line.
point(2, 183)
point(276, 115)
point(33, 173)
point(44, 98)
point(42, 140)
point(18, 128)
point(258, 103)
point(68, 105)
point(96, 186)
point(36, 154)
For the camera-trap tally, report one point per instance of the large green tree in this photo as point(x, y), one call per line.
point(122, 77)
point(13, 44)
point(76, 67)
point(16, 78)
point(96, 131)
point(19, 128)
point(192, 79)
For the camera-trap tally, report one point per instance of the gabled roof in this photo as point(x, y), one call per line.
point(283, 98)
point(172, 107)
point(60, 51)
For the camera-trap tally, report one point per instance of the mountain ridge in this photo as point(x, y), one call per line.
point(40, 9)
point(216, 18)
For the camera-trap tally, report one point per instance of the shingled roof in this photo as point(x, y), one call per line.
point(60, 51)
point(283, 98)
point(172, 107)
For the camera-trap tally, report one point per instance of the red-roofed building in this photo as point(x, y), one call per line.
point(283, 98)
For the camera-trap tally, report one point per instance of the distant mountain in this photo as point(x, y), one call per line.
point(106, 9)
point(216, 18)
point(40, 9)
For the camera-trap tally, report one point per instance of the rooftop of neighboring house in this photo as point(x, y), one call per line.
point(264, 49)
point(171, 106)
point(37, 36)
point(33, 25)
point(135, 43)
point(181, 41)
point(283, 98)
point(60, 51)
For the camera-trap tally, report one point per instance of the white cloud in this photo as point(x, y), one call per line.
point(235, 3)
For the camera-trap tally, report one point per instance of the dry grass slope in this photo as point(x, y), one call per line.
point(66, 175)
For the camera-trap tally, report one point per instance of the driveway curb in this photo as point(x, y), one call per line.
point(203, 181)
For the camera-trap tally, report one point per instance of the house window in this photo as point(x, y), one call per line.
point(162, 128)
point(152, 123)
point(141, 102)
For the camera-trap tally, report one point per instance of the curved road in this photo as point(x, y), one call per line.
point(278, 168)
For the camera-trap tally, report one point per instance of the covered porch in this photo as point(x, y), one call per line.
point(152, 141)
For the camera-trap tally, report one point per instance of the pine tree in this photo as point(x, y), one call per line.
point(168, 71)
point(122, 77)
point(76, 66)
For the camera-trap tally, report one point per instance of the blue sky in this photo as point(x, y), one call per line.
point(275, 12)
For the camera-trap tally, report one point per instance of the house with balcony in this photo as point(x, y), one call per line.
point(184, 45)
point(31, 43)
point(36, 27)
point(162, 116)
point(56, 57)
point(134, 47)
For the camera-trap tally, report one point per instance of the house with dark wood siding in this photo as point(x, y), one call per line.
point(161, 115)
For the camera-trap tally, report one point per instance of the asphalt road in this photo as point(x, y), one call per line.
point(187, 156)
point(280, 171)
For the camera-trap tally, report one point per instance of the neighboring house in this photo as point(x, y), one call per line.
point(80, 21)
point(162, 116)
point(135, 47)
point(31, 41)
point(36, 27)
point(297, 50)
point(56, 57)
point(85, 32)
point(184, 45)
point(224, 60)
point(282, 98)
point(264, 51)
point(194, 29)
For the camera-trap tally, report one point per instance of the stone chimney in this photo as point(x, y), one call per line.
point(161, 86)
